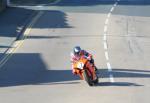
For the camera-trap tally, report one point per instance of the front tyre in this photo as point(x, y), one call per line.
point(87, 78)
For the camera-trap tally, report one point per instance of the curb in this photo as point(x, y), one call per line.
point(27, 22)
point(31, 20)
point(20, 35)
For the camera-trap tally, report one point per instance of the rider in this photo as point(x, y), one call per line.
point(77, 53)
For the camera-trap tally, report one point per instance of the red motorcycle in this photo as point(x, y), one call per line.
point(86, 71)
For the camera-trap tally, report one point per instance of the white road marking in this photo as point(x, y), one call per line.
point(112, 9)
point(106, 22)
point(105, 45)
point(108, 16)
point(104, 38)
point(109, 67)
point(111, 78)
point(106, 55)
point(115, 4)
point(105, 42)
point(105, 28)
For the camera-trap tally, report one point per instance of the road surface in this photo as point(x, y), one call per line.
point(116, 33)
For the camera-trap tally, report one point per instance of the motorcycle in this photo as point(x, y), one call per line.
point(86, 71)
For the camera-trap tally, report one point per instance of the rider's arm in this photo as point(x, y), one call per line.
point(87, 54)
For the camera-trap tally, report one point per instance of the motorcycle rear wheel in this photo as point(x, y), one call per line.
point(96, 81)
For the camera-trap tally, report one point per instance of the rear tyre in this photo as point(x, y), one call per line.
point(96, 81)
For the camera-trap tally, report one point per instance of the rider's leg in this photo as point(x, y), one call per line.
point(92, 62)
point(91, 69)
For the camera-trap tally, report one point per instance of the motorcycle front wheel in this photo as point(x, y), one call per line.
point(87, 78)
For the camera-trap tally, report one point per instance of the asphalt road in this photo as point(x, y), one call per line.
point(117, 34)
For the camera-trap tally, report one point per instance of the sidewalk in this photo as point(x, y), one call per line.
point(12, 23)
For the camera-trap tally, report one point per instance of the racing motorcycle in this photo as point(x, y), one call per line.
point(86, 71)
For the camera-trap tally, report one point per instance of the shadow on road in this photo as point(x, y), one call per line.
point(15, 18)
point(81, 2)
point(30, 69)
point(63, 36)
point(14, 21)
point(11, 27)
point(123, 73)
point(101, 2)
point(118, 84)
point(31, 2)
point(52, 19)
point(126, 73)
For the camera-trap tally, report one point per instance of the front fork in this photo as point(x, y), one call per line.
point(90, 70)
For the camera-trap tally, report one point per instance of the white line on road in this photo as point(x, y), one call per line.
point(108, 16)
point(111, 78)
point(106, 55)
point(105, 45)
point(109, 67)
point(106, 22)
point(105, 28)
point(115, 4)
point(104, 38)
point(105, 42)
point(112, 9)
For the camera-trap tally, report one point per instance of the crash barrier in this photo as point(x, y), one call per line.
point(2, 5)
